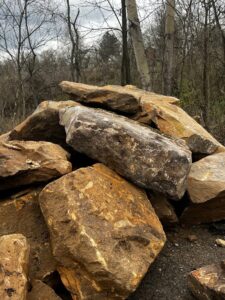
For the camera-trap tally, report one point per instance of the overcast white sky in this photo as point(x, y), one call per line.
point(95, 17)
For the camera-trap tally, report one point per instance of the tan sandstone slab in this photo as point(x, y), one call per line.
point(26, 162)
point(42, 124)
point(108, 97)
point(21, 214)
point(206, 179)
point(104, 232)
point(208, 283)
point(14, 258)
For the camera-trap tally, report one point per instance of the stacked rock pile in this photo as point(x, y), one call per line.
point(86, 185)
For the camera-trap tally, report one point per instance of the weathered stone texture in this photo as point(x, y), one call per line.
point(26, 162)
point(138, 153)
point(104, 232)
point(14, 258)
point(208, 283)
point(21, 214)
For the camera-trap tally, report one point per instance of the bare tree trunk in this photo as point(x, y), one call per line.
point(31, 63)
point(206, 100)
point(138, 44)
point(216, 13)
point(125, 68)
point(169, 45)
point(74, 54)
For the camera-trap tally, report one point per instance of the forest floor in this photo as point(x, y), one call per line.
point(167, 277)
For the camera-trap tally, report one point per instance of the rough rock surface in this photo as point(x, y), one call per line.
point(104, 232)
point(145, 157)
point(105, 97)
point(153, 108)
point(14, 257)
point(43, 124)
point(174, 121)
point(163, 209)
point(206, 180)
point(26, 162)
point(208, 283)
point(41, 291)
point(21, 214)
point(210, 211)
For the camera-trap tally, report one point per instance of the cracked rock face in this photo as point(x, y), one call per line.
point(14, 258)
point(104, 232)
point(26, 162)
point(208, 283)
point(136, 152)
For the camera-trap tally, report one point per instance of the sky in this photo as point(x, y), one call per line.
point(95, 18)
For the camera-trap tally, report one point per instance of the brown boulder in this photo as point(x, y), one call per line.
point(14, 257)
point(138, 153)
point(43, 124)
point(109, 97)
point(21, 214)
point(41, 291)
point(210, 211)
point(175, 122)
point(104, 232)
point(26, 162)
point(163, 209)
point(208, 283)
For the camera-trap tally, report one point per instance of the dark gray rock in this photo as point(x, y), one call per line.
point(138, 153)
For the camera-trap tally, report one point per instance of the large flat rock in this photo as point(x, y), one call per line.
point(104, 232)
point(14, 258)
point(138, 153)
point(43, 124)
point(175, 122)
point(208, 283)
point(26, 162)
point(21, 214)
point(108, 97)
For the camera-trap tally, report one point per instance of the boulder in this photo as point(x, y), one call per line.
point(150, 108)
point(108, 97)
point(41, 291)
point(210, 211)
point(208, 283)
point(104, 232)
point(21, 214)
point(14, 258)
point(206, 189)
point(163, 209)
point(26, 162)
point(136, 152)
point(206, 179)
point(43, 124)
point(172, 120)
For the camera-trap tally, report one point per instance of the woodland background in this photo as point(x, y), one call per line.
point(43, 42)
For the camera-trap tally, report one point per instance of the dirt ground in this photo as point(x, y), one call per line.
point(167, 277)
